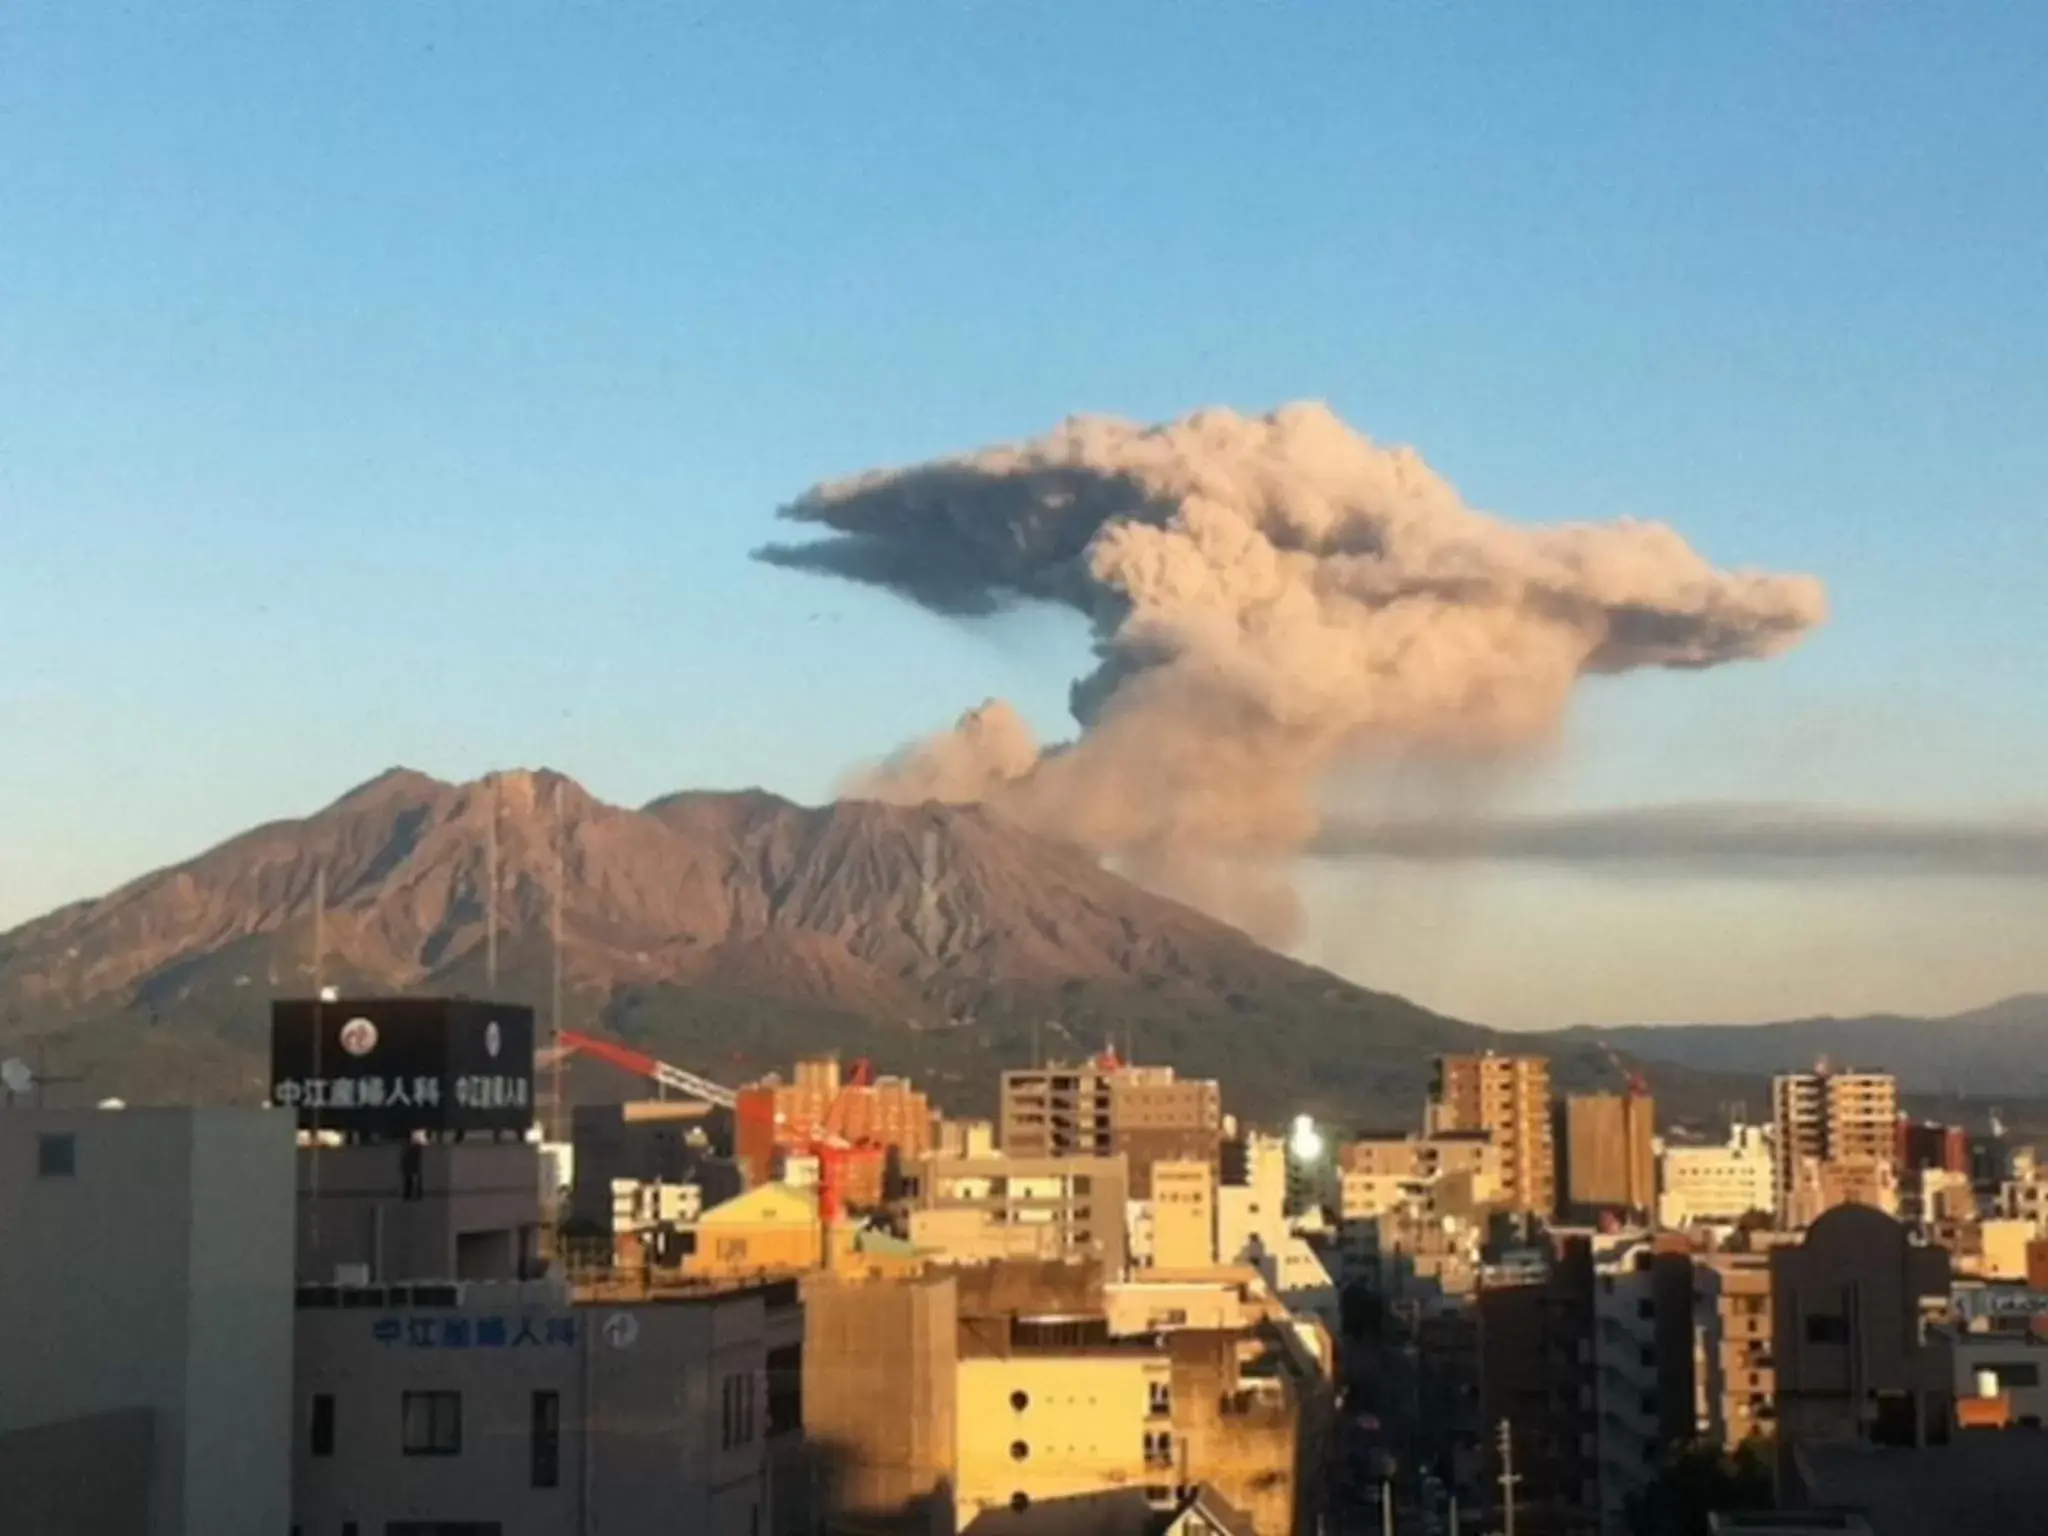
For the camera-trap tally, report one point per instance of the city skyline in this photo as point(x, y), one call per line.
point(389, 389)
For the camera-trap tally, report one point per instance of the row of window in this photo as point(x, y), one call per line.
point(430, 1424)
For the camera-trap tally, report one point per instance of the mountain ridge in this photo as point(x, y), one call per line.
point(731, 930)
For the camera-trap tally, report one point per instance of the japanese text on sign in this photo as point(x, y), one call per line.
point(475, 1332)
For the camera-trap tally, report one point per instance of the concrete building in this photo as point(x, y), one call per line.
point(966, 1138)
point(145, 1321)
point(1735, 1374)
point(1855, 1361)
point(1183, 1215)
point(1251, 1202)
point(1642, 1366)
point(1607, 1159)
point(1508, 1096)
point(880, 1395)
point(1422, 1157)
point(1837, 1142)
point(1535, 1351)
point(1106, 1108)
point(651, 1143)
point(968, 1397)
point(513, 1409)
point(1717, 1185)
point(1071, 1207)
point(433, 1210)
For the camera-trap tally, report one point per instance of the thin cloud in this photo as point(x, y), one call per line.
point(1724, 840)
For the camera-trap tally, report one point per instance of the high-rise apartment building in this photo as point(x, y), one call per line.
point(1102, 1108)
point(1609, 1160)
point(1837, 1136)
point(1735, 1379)
point(1509, 1097)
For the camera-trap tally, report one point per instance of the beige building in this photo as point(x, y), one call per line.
point(773, 1229)
point(1105, 1108)
point(1734, 1376)
point(1609, 1160)
point(969, 1395)
point(1508, 1096)
point(1183, 1215)
point(1005, 1206)
point(1836, 1142)
point(1717, 1184)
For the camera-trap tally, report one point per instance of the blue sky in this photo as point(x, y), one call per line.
point(408, 382)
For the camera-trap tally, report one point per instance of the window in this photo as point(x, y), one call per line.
point(1159, 1398)
point(786, 1389)
point(2016, 1373)
point(431, 1423)
point(545, 1453)
point(323, 1424)
point(1019, 1451)
point(1158, 1447)
point(56, 1155)
point(1020, 1501)
point(1823, 1328)
point(737, 1409)
point(1020, 1400)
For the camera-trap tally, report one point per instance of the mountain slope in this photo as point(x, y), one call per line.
point(726, 931)
point(1997, 1051)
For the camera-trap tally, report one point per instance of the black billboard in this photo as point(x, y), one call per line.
point(388, 1066)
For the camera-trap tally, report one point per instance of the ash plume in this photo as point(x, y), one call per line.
point(1275, 600)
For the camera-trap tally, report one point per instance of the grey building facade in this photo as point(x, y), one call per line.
point(513, 1410)
point(145, 1321)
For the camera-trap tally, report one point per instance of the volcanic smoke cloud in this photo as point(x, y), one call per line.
point(1275, 600)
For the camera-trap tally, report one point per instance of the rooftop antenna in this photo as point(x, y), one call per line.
point(555, 999)
point(319, 1029)
point(491, 897)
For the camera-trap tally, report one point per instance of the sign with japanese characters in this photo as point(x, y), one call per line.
point(422, 1330)
point(391, 1066)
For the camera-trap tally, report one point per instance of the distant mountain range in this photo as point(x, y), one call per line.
point(727, 932)
point(731, 932)
point(1996, 1052)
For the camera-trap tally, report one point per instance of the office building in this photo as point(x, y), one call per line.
point(513, 1408)
point(1837, 1142)
point(1717, 1185)
point(1013, 1207)
point(1607, 1156)
point(1106, 1108)
point(145, 1320)
point(1509, 1097)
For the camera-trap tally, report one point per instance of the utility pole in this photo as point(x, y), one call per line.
point(1387, 1507)
point(1508, 1479)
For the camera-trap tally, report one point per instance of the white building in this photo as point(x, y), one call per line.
point(1625, 1386)
point(1717, 1184)
point(146, 1320)
point(1256, 1208)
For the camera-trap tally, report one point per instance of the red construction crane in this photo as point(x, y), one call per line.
point(643, 1065)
